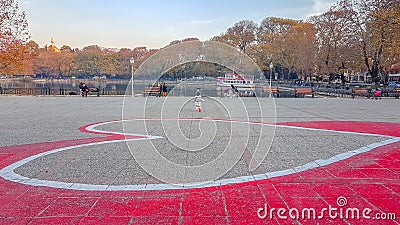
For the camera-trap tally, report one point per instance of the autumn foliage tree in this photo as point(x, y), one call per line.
point(240, 35)
point(375, 23)
point(353, 36)
point(14, 36)
point(288, 43)
point(88, 62)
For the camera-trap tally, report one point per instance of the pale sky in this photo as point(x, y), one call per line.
point(150, 23)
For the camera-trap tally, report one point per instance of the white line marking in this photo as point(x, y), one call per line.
point(9, 174)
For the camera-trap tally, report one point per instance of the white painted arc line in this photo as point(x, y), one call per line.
point(9, 174)
point(92, 127)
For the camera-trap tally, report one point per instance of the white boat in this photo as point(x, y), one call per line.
point(243, 83)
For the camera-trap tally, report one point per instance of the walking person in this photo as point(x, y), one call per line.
point(234, 91)
point(197, 101)
point(160, 88)
point(164, 90)
point(378, 93)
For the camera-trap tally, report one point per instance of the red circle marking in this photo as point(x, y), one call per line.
point(369, 180)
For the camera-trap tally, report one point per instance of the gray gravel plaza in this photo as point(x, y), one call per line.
point(28, 120)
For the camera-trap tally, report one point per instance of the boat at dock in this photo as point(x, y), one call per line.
point(243, 83)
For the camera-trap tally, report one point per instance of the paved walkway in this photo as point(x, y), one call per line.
point(364, 180)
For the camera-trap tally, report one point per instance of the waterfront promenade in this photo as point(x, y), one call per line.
point(73, 160)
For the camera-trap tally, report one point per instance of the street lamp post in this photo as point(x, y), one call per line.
point(271, 66)
point(132, 61)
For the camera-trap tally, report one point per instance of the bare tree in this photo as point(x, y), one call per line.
point(376, 25)
point(335, 43)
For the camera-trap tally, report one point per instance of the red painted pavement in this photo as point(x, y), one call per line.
point(369, 180)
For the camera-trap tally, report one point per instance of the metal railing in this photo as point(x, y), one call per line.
point(54, 91)
point(284, 92)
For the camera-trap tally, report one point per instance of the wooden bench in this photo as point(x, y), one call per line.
point(243, 94)
point(94, 90)
point(91, 90)
point(271, 90)
point(303, 92)
point(148, 91)
point(359, 92)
